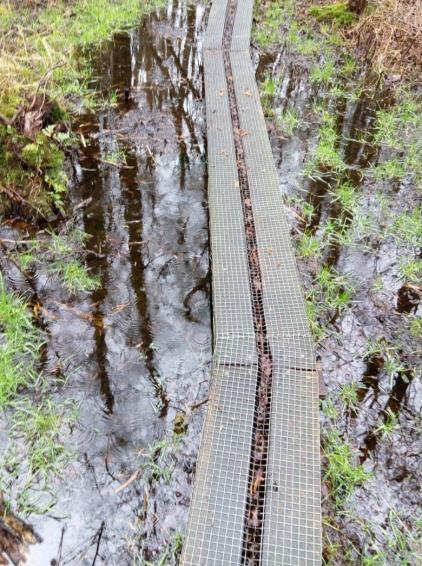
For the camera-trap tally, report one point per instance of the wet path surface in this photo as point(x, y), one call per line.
point(257, 492)
point(137, 350)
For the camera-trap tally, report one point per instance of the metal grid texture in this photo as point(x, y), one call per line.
point(291, 525)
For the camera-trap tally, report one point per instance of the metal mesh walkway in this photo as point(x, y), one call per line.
point(288, 520)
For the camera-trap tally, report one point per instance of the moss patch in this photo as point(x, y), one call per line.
point(337, 14)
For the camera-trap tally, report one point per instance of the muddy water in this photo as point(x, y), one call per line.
point(137, 350)
point(391, 497)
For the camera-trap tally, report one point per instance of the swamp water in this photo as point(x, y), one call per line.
point(136, 352)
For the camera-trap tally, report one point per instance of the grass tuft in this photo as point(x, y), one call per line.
point(19, 346)
point(341, 472)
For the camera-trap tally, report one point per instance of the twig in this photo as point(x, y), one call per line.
point(83, 204)
point(60, 549)
point(17, 242)
point(198, 404)
point(151, 154)
point(99, 535)
point(13, 195)
point(127, 483)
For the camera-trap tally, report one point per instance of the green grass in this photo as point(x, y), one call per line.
point(303, 41)
point(349, 395)
point(60, 256)
point(35, 453)
point(40, 424)
point(407, 227)
point(309, 246)
point(347, 195)
point(56, 34)
point(268, 90)
point(19, 346)
point(270, 17)
point(390, 170)
point(323, 75)
point(326, 157)
point(75, 276)
point(394, 125)
point(159, 463)
point(349, 66)
point(411, 270)
point(331, 293)
point(415, 327)
point(388, 425)
point(341, 472)
point(390, 353)
point(399, 128)
point(288, 121)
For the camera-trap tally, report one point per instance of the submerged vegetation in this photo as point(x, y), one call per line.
point(355, 203)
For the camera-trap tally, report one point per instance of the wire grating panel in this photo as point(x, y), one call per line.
point(257, 490)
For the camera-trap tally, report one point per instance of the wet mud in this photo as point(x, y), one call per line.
point(363, 339)
point(135, 353)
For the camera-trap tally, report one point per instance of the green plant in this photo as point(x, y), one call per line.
point(326, 157)
point(117, 158)
point(411, 270)
point(269, 17)
point(337, 13)
point(349, 66)
point(329, 409)
point(268, 89)
point(415, 327)
point(349, 395)
point(40, 425)
point(19, 346)
point(309, 246)
point(407, 226)
point(388, 170)
point(75, 276)
point(334, 289)
point(388, 424)
point(302, 41)
point(346, 195)
point(341, 472)
point(323, 75)
point(288, 121)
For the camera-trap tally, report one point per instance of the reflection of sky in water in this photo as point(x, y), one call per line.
point(142, 352)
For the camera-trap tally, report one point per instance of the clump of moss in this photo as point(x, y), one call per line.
point(336, 14)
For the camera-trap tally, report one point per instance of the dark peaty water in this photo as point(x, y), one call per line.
point(137, 351)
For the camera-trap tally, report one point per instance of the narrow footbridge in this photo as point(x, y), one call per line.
point(257, 489)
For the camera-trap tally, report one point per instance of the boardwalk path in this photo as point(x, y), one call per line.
point(257, 492)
